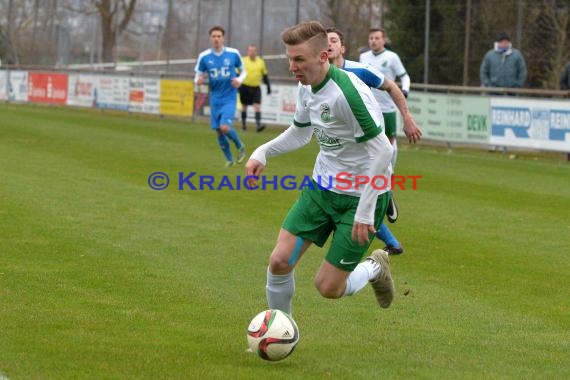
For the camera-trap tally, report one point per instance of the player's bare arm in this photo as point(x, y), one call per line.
point(411, 129)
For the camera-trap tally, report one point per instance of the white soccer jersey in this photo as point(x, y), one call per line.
point(391, 66)
point(338, 110)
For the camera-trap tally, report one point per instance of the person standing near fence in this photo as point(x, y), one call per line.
point(250, 90)
point(220, 66)
point(389, 64)
point(503, 66)
point(373, 79)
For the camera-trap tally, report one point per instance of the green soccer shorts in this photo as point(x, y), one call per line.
point(390, 123)
point(316, 213)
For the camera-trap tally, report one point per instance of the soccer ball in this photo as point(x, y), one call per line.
point(273, 334)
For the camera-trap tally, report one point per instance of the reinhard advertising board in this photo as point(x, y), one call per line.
point(530, 123)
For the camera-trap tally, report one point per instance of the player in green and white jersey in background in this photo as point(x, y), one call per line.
point(374, 79)
point(340, 111)
point(389, 64)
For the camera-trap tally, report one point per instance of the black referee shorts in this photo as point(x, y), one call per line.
point(249, 95)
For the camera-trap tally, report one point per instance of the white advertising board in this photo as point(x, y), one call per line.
point(530, 123)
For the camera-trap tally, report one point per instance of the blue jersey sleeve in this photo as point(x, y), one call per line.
point(201, 63)
point(202, 67)
point(368, 74)
point(368, 77)
point(239, 63)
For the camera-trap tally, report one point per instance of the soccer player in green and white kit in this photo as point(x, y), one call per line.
point(341, 112)
point(389, 64)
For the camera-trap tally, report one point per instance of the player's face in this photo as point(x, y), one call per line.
point(376, 41)
point(335, 47)
point(217, 39)
point(307, 64)
point(251, 52)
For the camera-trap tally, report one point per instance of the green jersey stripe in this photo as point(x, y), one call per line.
point(356, 104)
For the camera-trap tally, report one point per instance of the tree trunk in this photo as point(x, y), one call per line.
point(111, 27)
point(109, 36)
point(34, 31)
point(12, 56)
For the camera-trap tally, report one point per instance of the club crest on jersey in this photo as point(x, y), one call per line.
point(325, 113)
point(226, 62)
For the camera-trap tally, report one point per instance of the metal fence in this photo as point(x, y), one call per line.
point(66, 33)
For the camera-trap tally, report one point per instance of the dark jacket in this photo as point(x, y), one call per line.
point(503, 69)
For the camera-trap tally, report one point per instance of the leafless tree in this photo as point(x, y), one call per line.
point(115, 17)
point(354, 18)
point(179, 31)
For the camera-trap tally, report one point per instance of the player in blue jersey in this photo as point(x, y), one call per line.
point(374, 79)
point(220, 66)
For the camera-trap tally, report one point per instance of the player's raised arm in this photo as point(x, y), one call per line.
point(411, 129)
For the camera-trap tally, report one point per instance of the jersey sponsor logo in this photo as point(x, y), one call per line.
point(347, 262)
point(325, 112)
point(325, 141)
point(219, 72)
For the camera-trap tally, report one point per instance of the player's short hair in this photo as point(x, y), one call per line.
point(338, 32)
point(216, 28)
point(374, 30)
point(310, 31)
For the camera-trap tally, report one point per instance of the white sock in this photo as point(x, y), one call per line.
point(279, 290)
point(364, 272)
point(395, 154)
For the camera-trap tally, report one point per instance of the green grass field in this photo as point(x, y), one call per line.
point(103, 278)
